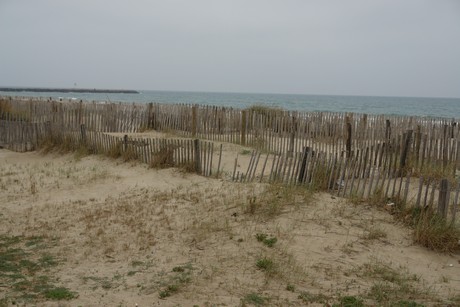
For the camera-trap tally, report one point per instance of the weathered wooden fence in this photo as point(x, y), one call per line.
point(353, 155)
point(378, 176)
point(272, 130)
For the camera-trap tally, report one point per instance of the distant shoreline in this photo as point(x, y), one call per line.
point(65, 90)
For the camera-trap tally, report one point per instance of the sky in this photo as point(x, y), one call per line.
point(332, 47)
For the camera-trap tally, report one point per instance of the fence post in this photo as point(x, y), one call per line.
point(445, 147)
point(196, 145)
point(292, 136)
point(125, 142)
point(243, 127)
point(150, 116)
point(83, 133)
point(387, 129)
point(303, 165)
point(348, 144)
point(403, 160)
point(418, 142)
point(443, 199)
point(194, 119)
point(48, 130)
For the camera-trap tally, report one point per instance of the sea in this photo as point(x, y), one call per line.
point(411, 106)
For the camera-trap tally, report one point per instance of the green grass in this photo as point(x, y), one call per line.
point(60, 293)
point(270, 242)
point(255, 299)
point(349, 301)
point(22, 265)
point(391, 285)
point(182, 275)
point(265, 264)
point(168, 291)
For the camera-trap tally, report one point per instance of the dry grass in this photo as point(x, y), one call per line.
point(434, 232)
point(163, 158)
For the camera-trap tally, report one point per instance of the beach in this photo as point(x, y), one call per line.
point(118, 233)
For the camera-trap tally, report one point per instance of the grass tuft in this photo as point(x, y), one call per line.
point(270, 242)
point(60, 293)
point(349, 301)
point(308, 297)
point(255, 299)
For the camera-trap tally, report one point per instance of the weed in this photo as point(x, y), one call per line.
point(276, 198)
point(290, 288)
point(374, 234)
point(34, 241)
point(60, 293)
point(308, 297)
point(115, 151)
point(47, 260)
point(270, 242)
point(261, 237)
point(391, 285)
point(178, 280)
point(349, 301)
point(163, 158)
point(383, 271)
point(178, 269)
point(433, 232)
point(265, 264)
point(256, 299)
point(129, 154)
point(168, 291)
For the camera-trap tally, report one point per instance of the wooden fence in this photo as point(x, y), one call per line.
point(378, 176)
point(271, 130)
point(353, 155)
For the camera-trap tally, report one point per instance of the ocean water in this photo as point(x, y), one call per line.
point(418, 106)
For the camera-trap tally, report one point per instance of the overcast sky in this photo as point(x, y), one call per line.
point(354, 47)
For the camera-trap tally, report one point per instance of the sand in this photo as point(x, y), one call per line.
point(122, 234)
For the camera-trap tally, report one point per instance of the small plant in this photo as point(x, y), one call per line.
point(349, 301)
point(265, 264)
point(261, 237)
point(391, 285)
point(290, 288)
point(374, 234)
point(256, 299)
point(434, 232)
point(270, 242)
point(168, 291)
point(178, 280)
point(47, 260)
point(163, 158)
point(308, 297)
point(60, 293)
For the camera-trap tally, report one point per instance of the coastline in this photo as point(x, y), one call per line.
point(66, 90)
